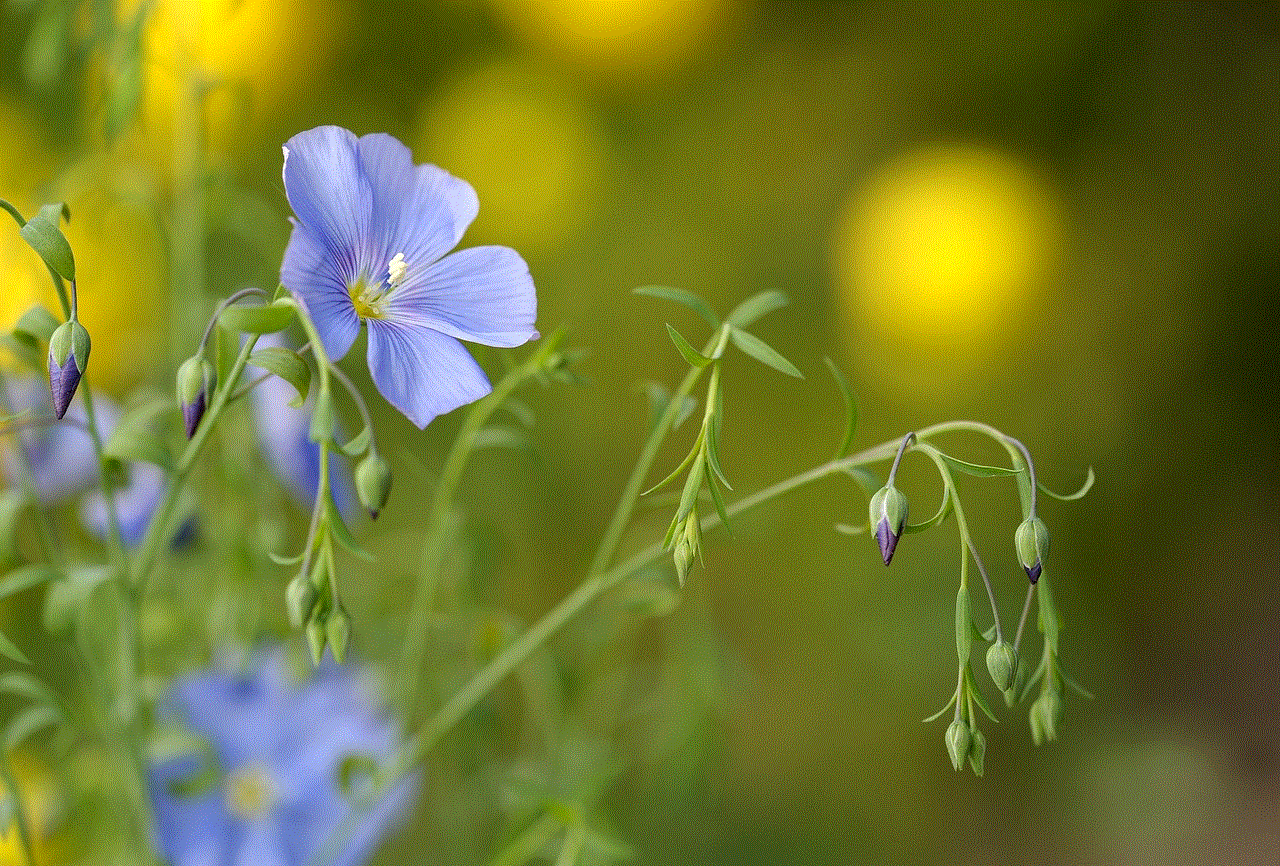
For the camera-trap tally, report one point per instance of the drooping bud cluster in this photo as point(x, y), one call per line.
point(68, 357)
point(887, 518)
point(688, 540)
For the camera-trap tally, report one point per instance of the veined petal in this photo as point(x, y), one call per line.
point(482, 294)
point(420, 371)
point(309, 271)
point(330, 194)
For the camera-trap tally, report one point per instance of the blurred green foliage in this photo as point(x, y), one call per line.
point(1059, 218)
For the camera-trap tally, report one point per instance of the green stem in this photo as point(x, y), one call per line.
point(19, 812)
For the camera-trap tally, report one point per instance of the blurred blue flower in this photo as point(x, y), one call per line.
point(369, 244)
point(279, 744)
point(293, 457)
point(63, 464)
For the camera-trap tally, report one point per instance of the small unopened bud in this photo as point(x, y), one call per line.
point(1002, 664)
point(1032, 543)
point(194, 379)
point(1044, 715)
point(68, 357)
point(300, 599)
point(338, 631)
point(687, 541)
point(373, 482)
point(316, 637)
point(888, 516)
point(977, 751)
point(958, 743)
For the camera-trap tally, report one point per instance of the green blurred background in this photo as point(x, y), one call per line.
point(1057, 218)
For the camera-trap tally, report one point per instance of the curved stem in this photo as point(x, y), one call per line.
point(222, 308)
point(991, 596)
point(907, 441)
point(1026, 608)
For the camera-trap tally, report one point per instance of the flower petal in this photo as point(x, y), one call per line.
point(310, 272)
point(330, 194)
point(420, 371)
point(482, 294)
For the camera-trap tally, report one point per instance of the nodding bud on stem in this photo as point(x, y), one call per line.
point(316, 636)
point(1044, 716)
point(373, 482)
point(300, 598)
point(1032, 543)
point(888, 517)
point(958, 743)
point(68, 357)
point(195, 377)
point(688, 538)
point(338, 630)
point(1002, 664)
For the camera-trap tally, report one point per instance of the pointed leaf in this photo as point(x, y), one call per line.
point(763, 352)
point(10, 650)
point(977, 469)
point(719, 503)
point(359, 443)
point(943, 510)
point(501, 437)
point(30, 721)
point(690, 354)
point(684, 464)
point(1069, 497)
point(755, 307)
point(342, 535)
point(288, 365)
point(13, 212)
point(48, 241)
point(846, 529)
point(680, 296)
point(286, 561)
point(851, 409)
point(951, 703)
point(262, 319)
point(226, 348)
point(1072, 684)
point(24, 578)
point(978, 697)
point(37, 323)
point(24, 685)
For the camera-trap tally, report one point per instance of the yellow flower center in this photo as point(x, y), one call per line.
point(370, 299)
point(250, 791)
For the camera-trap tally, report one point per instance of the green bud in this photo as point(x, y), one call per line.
point(1035, 717)
point(338, 631)
point(1052, 701)
point(373, 482)
point(1032, 543)
point(887, 516)
point(688, 539)
point(316, 637)
point(1002, 664)
point(958, 743)
point(194, 379)
point(977, 752)
point(300, 599)
point(68, 358)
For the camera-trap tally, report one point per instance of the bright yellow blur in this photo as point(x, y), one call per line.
point(37, 795)
point(254, 54)
point(534, 154)
point(942, 255)
point(628, 39)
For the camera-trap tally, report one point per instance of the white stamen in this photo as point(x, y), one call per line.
point(396, 269)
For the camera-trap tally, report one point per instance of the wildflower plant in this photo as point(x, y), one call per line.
point(275, 755)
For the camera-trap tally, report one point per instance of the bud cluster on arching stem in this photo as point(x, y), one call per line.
point(686, 544)
point(68, 358)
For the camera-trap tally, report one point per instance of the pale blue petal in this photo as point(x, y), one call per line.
point(330, 194)
point(310, 271)
point(60, 453)
point(263, 845)
point(482, 294)
point(135, 503)
point(420, 371)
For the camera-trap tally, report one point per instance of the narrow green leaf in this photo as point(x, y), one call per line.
point(55, 212)
point(1070, 497)
point(963, 616)
point(528, 844)
point(718, 501)
point(263, 319)
point(684, 464)
point(763, 352)
point(10, 650)
point(288, 365)
point(51, 245)
point(29, 722)
point(37, 323)
point(22, 579)
point(1072, 684)
point(866, 480)
point(342, 535)
point(134, 440)
point(1034, 678)
point(12, 502)
point(846, 529)
point(359, 443)
point(951, 703)
point(520, 410)
point(24, 685)
point(286, 561)
point(713, 443)
point(755, 307)
point(680, 296)
point(978, 697)
point(977, 469)
point(226, 343)
point(851, 409)
point(64, 597)
point(943, 510)
point(692, 486)
point(501, 437)
point(690, 354)
point(13, 212)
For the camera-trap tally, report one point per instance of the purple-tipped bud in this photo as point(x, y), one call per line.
point(194, 378)
point(68, 357)
point(888, 517)
point(1032, 543)
point(373, 483)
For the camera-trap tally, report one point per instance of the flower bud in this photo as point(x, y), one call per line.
point(68, 357)
point(958, 743)
point(1032, 543)
point(300, 599)
point(195, 376)
point(316, 637)
point(977, 751)
point(1002, 664)
point(687, 541)
point(338, 630)
point(373, 482)
point(1044, 716)
point(888, 516)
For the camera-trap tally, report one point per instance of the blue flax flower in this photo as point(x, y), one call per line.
point(369, 245)
point(278, 744)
